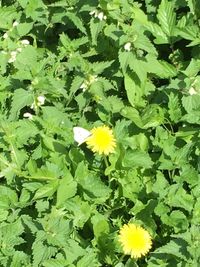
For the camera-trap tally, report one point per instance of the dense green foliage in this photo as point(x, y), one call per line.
point(131, 65)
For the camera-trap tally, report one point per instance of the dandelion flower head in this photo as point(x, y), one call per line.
point(101, 140)
point(135, 240)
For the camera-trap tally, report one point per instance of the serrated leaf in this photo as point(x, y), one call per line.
point(167, 17)
point(136, 158)
point(21, 98)
point(76, 20)
point(46, 190)
point(134, 90)
point(66, 189)
point(178, 197)
point(133, 115)
point(96, 27)
point(175, 248)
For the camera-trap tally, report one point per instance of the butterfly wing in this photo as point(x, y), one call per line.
point(80, 135)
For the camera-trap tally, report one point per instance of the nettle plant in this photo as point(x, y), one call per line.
point(127, 73)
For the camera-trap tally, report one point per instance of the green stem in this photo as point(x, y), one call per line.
point(107, 165)
point(106, 161)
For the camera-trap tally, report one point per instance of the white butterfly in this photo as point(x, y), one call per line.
point(80, 135)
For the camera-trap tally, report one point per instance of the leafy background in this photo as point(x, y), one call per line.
point(132, 65)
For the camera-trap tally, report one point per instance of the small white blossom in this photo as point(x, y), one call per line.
point(25, 42)
point(41, 100)
point(28, 115)
point(88, 82)
point(5, 36)
point(98, 14)
point(15, 23)
point(19, 49)
point(13, 55)
point(93, 12)
point(192, 91)
point(127, 46)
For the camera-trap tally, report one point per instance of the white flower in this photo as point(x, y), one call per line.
point(93, 12)
point(13, 55)
point(84, 86)
point(127, 46)
point(28, 115)
point(98, 14)
point(5, 36)
point(41, 100)
point(25, 42)
point(192, 91)
point(15, 23)
point(19, 49)
point(88, 82)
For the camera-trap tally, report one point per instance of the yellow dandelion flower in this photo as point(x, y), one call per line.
point(101, 140)
point(135, 240)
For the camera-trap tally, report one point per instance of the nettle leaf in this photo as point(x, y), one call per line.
point(20, 259)
point(89, 259)
point(25, 130)
point(112, 103)
point(133, 115)
point(160, 185)
point(21, 98)
point(67, 188)
point(178, 197)
point(152, 116)
point(134, 90)
point(76, 20)
point(24, 28)
point(175, 247)
point(26, 59)
point(174, 106)
point(124, 57)
point(9, 198)
point(91, 184)
point(46, 190)
point(7, 15)
point(167, 17)
point(100, 225)
point(99, 67)
point(96, 27)
point(131, 185)
point(178, 220)
point(135, 158)
point(191, 103)
point(11, 234)
point(80, 210)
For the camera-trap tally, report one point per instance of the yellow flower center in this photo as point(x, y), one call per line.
point(101, 140)
point(135, 240)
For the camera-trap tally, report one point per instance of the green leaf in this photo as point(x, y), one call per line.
point(133, 115)
point(167, 17)
point(66, 189)
point(46, 190)
point(178, 197)
point(100, 225)
point(80, 210)
point(175, 248)
point(21, 98)
point(134, 90)
point(76, 20)
point(96, 27)
point(89, 259)
point(174, 108)
point(136, 158)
